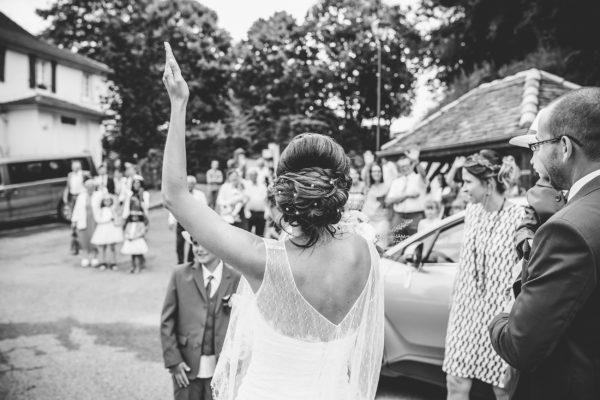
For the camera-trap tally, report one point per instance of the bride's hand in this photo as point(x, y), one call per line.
point(176, 86)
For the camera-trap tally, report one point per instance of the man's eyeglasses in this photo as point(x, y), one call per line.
point(536, 146)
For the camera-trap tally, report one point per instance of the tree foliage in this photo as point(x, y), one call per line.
point(501, 33)
point(321, 75)
point(128, 37)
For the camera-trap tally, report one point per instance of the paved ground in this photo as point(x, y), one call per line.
point(72, 333)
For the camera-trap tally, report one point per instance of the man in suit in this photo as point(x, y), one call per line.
point(194, 321)
point(552, 334)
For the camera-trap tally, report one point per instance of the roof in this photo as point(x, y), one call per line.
point(53, 103)
point(15, 37)
point(492, 113)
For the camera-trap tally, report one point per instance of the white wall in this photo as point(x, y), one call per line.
point(69, 86)
point(33, 132)
point(16, 77)
point(69, 83)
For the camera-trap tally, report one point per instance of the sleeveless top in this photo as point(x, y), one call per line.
point(278, 346)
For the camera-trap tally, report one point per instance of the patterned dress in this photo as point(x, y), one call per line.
point(485, 271)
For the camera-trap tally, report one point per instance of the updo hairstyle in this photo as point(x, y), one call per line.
point(487, 166)
point(312, 185)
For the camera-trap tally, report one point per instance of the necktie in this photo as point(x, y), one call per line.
point(209, 286)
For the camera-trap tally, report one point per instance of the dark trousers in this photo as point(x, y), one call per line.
point(257, 220)
point(198, 389)
point(180, 246)
point(405, 224)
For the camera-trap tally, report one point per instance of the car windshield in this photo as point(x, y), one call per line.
point(441, 245)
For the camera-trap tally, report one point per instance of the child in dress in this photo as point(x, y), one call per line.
point(84, 223)
point(108, 231)
point(433, 214)
point(135, 215)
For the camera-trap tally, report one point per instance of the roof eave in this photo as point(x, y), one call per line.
point(65, 57)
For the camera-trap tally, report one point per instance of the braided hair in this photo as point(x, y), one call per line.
point(312, 185)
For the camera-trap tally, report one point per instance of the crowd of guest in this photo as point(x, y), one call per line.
point(109, 214)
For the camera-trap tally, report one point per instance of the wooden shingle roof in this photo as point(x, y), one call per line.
point(490, 114)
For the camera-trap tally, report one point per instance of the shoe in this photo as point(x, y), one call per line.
point(85, 262)
point(94, 263)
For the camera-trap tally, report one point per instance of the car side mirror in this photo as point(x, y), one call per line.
point(415, 257)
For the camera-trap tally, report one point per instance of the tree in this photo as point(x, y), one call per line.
point(500, 33)
point(321, 75)
point(128, 37)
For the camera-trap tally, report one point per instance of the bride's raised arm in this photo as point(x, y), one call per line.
point(236, 247)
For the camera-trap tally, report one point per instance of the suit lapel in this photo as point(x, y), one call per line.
point(199, 280)
point(224, 287)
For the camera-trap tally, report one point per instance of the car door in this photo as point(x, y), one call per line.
point(417, 298)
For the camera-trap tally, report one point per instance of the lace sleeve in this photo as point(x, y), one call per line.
point(237, 348)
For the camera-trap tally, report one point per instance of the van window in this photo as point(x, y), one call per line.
point(54, 169)
point(24, 172)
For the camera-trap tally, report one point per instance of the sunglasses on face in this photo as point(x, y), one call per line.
point(536, 145)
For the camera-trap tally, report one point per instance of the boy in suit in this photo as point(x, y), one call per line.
point(194, 321)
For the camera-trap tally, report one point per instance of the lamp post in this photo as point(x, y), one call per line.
point(378, 33)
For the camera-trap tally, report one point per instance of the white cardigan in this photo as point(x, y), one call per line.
point(79, 215)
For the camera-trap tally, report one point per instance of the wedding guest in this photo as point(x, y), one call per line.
point(180, 242)
point(433, 215)
point(484, 271)
point(374, 206)
point(356, 195)
point(214, 180)
point(551, 333)
point(130, 173)
point(75, 180)
point(135, 215)
point(543, 200)
point(406, 196)
point(265, 174)
point(389, 170)
point(85, 224)
point(194, 321)
point(104, 182)
point(512, 180)
point(231, 200)
point(256, 193)
point(240, 162)
point(108, 231)
point(119, 182)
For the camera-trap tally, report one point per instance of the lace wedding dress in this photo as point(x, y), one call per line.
point(278, 346)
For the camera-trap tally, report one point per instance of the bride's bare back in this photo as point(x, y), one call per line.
point(331, 277)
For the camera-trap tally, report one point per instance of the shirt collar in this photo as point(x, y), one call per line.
point(577, 186)
point(217, 274)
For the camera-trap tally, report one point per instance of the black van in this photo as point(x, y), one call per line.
point(32, 187)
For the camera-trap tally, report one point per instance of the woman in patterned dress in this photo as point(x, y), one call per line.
point(485, 271)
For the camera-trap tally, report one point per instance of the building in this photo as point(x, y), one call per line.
point(483, 118)
point(50, 98)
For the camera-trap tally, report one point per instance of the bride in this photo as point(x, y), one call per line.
point(307, 320)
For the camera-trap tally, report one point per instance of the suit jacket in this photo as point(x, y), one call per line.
point(184, 314)
point(552, 334)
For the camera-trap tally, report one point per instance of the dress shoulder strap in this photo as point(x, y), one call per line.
point(276, 263)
